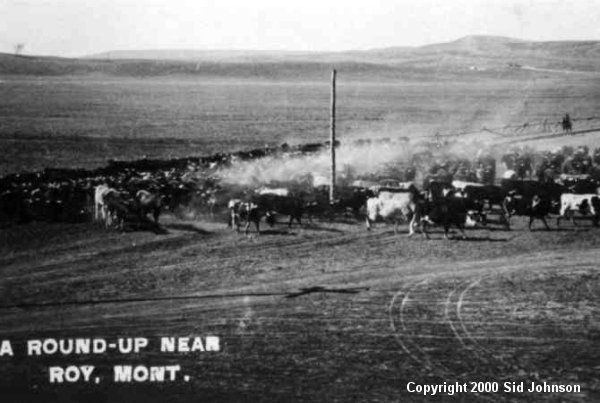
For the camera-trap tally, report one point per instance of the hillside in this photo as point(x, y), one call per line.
point(583, 55)
point(494, 55)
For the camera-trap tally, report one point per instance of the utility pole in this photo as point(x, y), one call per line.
point(332, 139)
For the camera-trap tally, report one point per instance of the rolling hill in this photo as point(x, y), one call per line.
point(494, 55)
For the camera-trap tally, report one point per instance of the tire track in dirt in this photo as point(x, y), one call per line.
point(497, 364)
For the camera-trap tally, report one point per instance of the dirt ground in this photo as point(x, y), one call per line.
point(326, 312)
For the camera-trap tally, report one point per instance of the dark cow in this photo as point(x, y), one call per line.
point(528, 189)
point(578, 184)
point(267, 205)
point(436, 190)
point(535, 207)
point(117, 209)
point(271, 205)
point(351, 199)
point(146, 202)
point(446, 211)
point(490, 194)
point(484, 198)
point(250, 213)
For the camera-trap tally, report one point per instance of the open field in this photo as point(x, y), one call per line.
point(84, 121)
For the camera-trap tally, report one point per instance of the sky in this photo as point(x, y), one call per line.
point(81, 27)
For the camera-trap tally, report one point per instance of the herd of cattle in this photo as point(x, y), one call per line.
point(453, 191)
point(447, 204)
point(71, 195)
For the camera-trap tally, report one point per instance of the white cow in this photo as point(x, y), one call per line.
point(587, 204)
point(273, 191)
point(509, 174)
point(108, 205)
point(461, 185)
point(234, 213)
point(100, 208)
point(393, 206)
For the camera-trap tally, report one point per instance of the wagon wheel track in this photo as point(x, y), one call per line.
point(506, 366)
point(415, 351)
point(468, 341)
point(405, 293)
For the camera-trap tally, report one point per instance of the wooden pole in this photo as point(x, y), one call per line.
point(332, 139)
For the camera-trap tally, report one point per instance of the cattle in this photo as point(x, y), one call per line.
point(530, 188)
point(348, 199)
point(395, 206)
point(99, 205)
point(480, 195)
point(316, 202)
point(586, 204)
point(234, 217)
point(273, 191)
point(578, 184)
point(250, 213)
point(146, 202)
point(270, 205)
point(110, 206)
point(117, 209)
point(535, 207)
point(351, 199)
point(437, 189)
point(461, 185)
point(446, 211)
point(211, 202)
point(393, 186)
point(509, 174)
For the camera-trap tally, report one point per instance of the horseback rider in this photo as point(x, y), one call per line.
point(566, 123)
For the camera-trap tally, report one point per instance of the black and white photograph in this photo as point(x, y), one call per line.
point(300, 201)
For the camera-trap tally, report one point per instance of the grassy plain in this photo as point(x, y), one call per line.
point(79, 121)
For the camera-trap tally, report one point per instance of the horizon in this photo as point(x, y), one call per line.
point(106, 53)
point(72, 28)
